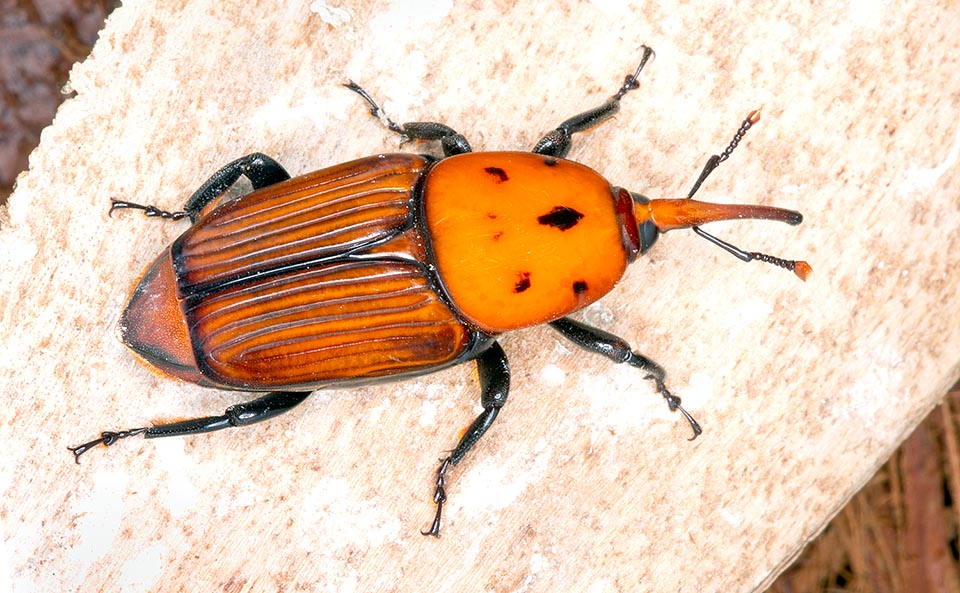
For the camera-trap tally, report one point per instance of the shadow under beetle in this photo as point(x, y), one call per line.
point(398, 265)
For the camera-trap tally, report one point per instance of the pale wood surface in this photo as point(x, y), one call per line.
point(586, 482)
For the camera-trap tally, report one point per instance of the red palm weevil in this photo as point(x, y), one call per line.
point(398, 265)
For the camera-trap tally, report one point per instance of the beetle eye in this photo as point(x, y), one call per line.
point(648, 235)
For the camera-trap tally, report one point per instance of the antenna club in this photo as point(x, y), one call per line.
point(754, 116)
point(802, 269)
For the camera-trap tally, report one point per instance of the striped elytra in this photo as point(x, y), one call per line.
point(314, 280)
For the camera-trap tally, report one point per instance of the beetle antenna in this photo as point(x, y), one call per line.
point(801, 268)
point(714, 161)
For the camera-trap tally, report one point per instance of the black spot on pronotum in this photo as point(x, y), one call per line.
point(579, 287)
point(550, 161)
point(523, 282)
point(499, 173)
point(560, 217)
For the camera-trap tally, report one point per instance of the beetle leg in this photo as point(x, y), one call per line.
point(451, 141)
point(261, 170)
point(618, 350)
point(557, 143)
point(262, 408)
point(495, 385)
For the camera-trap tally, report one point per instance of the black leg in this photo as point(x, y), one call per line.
point(262, 408)
point(495, 385)
point(261, 170)
point(451, 141)
point(557, 143)
point(618, 350)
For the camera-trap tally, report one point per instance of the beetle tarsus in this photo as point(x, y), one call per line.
point(106, 439)
point(451, 141)
point(151, 211)
point(439, 497)
point(377, 111)
point(557, 142)
point(673, 402)
point(631, 81)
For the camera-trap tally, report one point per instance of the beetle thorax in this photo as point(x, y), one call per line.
point(520, 239)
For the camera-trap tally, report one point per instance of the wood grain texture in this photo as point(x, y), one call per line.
point(586, 481)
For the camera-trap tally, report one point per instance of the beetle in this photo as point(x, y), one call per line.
point(398, 265)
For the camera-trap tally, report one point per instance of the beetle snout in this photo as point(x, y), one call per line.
point(684, 213)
